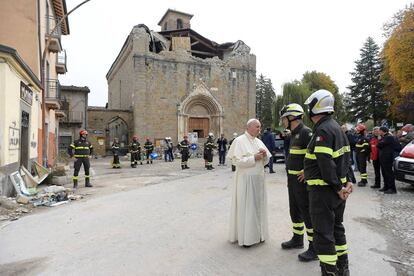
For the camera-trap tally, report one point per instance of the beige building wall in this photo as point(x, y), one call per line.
point(121, 86)
point(10, 120)
point(19, 30)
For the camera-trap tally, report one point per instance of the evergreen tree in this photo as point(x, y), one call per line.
point(265, 97)
point(367, 96)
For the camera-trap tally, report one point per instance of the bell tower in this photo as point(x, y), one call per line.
point(175, 20)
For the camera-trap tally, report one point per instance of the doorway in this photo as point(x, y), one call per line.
point(24, 140)
point(199, 125)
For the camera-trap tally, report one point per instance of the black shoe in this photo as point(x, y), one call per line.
point(183, 167)
point(309, 255)
point(147, 162)
point(75, 184)
point(187, 167)
point(375, 186)
point(88, 185)
point(295, 243)
point(361, 184)
point(389, 192)
point(272, 172)
point(382, 189)
point(342, 265)
point(246, 246)
point(329, 270)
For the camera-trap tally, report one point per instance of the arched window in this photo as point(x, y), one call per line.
point(179, 24)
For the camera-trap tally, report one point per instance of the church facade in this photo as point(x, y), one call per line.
point(177, 82)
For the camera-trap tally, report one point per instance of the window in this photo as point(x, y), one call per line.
point(165, 26)
point(179, 24)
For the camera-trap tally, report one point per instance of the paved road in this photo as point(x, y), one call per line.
point(176, 227)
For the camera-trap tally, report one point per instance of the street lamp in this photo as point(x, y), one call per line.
point(44, 81)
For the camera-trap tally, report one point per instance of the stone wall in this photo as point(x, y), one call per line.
point(98, 119)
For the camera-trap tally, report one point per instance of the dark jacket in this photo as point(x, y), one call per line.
point(269, 140)
point(183, 146)
point(134, 147)
point(222, 144)
point(351, 139)
point(328, 156)
point(386, 148)
point(80, 148)
point(209, 145)
point(115, 148)
point(299, 141)
point(149, 147)
point(362, 146)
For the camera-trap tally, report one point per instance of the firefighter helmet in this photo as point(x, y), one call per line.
point(83, 132)
point(360, 128)
point(320, 102)
point(292, 109)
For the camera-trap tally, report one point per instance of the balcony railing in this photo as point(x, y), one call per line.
point(74, 117)
point(61, 62)
point(52, 34)
point(52, 89)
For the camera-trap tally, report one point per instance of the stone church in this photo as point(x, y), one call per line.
point(176, 82)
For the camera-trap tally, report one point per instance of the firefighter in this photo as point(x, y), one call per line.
point(292, 119)
point(233, 167)
point(149, 148)
point(135, 149)
point(209, 145)
point(183, 146)
point(328, 175)
point(81, 150)
point(363, 149)
point(115, 151)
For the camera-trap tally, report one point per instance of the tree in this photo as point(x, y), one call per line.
point(398, 56)
point(366, 93)
point(293, 92)
point(265, 98)
point(318, 80)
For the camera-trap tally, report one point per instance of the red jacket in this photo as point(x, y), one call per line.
point(374, 150)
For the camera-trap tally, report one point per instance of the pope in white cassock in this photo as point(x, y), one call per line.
point(248, 219)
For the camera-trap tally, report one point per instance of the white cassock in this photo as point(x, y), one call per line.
point(248, 218)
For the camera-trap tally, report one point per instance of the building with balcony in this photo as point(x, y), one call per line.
point(31, 59)
point(74, 104)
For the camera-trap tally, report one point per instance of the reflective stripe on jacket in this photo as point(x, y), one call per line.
point(80, 148)
point(299, 141)
point(328, 158)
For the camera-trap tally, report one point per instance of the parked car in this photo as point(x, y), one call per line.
point(404, 165)
point(279, 152)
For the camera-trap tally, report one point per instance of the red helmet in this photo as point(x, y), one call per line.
point(135, 137)
point(83, 132)
point(360, 128)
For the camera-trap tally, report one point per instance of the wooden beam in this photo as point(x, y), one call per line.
point(195, 43)
point(203, 53)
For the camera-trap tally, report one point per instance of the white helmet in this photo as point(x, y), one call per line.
point(292, 109)
point(211, 134)
point(235, 134)
point(321, 101)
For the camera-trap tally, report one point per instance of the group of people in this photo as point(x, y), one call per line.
point(380, 147)
point(135, 149)
point(319, 176)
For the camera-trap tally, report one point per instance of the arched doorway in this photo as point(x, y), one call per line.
point(117, 127)
point(200, 112)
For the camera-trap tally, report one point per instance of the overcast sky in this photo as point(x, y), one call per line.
point(287, 37)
